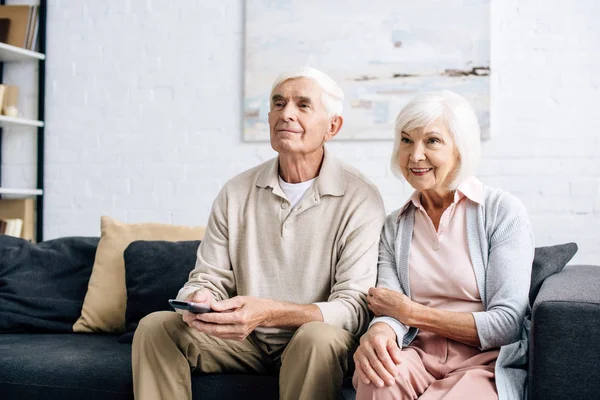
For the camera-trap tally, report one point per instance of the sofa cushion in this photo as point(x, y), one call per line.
point(548, 261)
point(154, 273)
point(105, 301)
point(96, 367)
point(65, 366)
point(42, 286)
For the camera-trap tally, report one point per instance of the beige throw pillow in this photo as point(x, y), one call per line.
point(104, 304)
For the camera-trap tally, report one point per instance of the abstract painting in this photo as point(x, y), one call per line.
point(381, 52)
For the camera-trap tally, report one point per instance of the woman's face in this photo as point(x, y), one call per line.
point(428, 157)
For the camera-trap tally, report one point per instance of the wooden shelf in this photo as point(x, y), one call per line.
point(21, 192)
point(14, 53)
point(10, 121)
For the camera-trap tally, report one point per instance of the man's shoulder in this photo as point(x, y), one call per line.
point(245, 180)
point(356, 180)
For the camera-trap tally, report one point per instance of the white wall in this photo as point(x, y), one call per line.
point(144, 104)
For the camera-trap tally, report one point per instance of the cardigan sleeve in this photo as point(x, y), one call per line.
point(387, 273)
point(507, 278)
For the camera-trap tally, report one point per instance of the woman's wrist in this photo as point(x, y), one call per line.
point(413, 316)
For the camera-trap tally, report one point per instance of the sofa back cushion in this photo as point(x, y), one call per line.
point(103, 313)
point(154, 273)
point(42, 286)
point(548, 261)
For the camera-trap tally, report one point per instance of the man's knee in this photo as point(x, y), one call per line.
point(322, 336)
point(157, 323)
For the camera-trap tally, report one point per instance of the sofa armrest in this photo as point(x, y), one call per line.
point(564, 351)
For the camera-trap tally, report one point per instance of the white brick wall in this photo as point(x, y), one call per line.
point(144, 104)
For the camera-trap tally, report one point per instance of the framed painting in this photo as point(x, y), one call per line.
point(381, 52)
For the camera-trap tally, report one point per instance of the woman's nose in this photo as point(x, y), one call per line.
point(417, 154)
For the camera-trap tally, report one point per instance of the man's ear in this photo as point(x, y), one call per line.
point(334, 127)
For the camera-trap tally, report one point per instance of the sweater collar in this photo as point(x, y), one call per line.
point(330, 180)
point(471, 188)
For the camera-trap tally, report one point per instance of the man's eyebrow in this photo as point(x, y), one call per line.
point(304, 99)
point(277, 97)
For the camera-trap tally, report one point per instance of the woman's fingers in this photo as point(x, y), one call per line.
point(361, 364)
point(368, 365)
point(370, 373)
point(375, 359)
point(361, 374)
point(374, 309)
point(387, 362)
point(379, 373)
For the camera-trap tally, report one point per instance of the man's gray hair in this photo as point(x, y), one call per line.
point(333, 95)
point(455, 112)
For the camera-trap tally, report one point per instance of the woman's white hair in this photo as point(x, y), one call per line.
point(455, 112)
point(333, 95)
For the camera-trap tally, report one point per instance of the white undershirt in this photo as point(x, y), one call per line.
point(295, 191)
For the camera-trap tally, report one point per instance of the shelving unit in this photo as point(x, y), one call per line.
point(10, 54)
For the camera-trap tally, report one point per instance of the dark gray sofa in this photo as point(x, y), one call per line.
point(564, 346)
point(40, 359)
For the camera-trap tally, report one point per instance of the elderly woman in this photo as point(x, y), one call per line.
point(454, 270)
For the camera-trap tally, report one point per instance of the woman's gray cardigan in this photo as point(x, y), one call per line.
point(501, 249)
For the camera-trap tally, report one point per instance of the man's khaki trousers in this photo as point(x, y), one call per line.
point(166, 351)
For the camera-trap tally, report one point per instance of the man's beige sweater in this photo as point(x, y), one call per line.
point(324, 251)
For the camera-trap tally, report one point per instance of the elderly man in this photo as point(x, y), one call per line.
point(289, 254)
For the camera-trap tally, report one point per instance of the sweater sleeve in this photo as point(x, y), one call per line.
point(388, 274)
point(213, 266)
point(510, 256)
point(355, 271)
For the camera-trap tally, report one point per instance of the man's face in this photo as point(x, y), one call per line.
point(298, 121)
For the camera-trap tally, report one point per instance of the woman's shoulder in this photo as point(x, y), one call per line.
point(504, 214)
point(502, 203)
point(393, 221)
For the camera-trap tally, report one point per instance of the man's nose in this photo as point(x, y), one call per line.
point(288, 113)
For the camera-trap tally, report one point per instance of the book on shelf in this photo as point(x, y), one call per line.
point(9, 98)
point(19, 209)
point(20, 24)
point(4, 26)
point(33, 42)
point(11, 226)
point(2, 91)
point(32, 25)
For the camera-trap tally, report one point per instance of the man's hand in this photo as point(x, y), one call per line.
point(391, 303)
point(235, 318)
point(201, 297)
point(377, 356)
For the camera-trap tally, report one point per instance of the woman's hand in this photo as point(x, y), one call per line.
point(459, 326)
point(391, 303)
point(377, 356)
